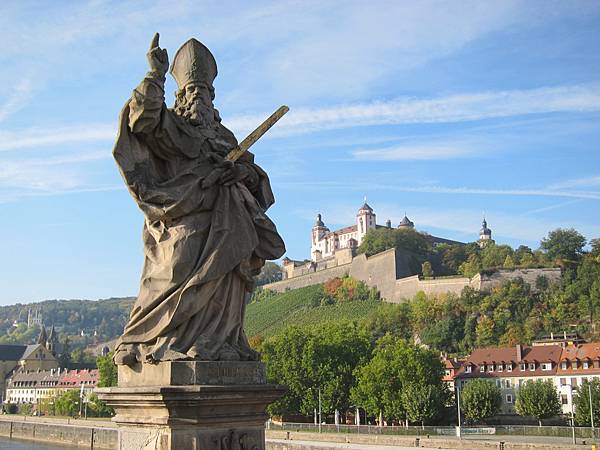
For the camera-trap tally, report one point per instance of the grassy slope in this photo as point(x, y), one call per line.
point(300, 307)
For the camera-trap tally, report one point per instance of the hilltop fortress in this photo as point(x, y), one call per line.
point(392, 272)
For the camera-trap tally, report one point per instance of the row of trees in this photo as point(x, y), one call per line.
point(481, 399)
point(562, 247)
point(349, 367)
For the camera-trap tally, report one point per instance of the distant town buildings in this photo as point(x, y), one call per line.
point(29, 386)
point(567, 362)
point(15, 358)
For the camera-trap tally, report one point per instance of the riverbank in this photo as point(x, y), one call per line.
point(102, 435)
point(89, 434)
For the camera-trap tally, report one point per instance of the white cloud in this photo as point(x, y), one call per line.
point(17, 98)
point(14, 196)
point(35, 137)
point(412, 152)
point(448, 109)
point(25, 176)
point(435, 189)
point(552, 207)
point(463, 223)
point(507, 225)
point(593, 181)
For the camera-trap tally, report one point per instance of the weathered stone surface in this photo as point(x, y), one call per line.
point(188, 378)
point(206, 232)
point(191, 417)
point(182, 373)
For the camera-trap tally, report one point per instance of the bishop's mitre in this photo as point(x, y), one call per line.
point(194, 63)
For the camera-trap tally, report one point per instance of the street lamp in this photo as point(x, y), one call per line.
point(458, 433)
point(591, 409)
point(320, 420)
point(572, 416)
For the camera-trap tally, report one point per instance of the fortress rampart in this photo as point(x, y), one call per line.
point(391, 274)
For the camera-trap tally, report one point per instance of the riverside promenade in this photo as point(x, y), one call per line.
point(102, 434)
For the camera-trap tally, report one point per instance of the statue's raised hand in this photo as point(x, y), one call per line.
point(157, 57)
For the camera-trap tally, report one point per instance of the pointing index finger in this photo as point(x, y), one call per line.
point(154, 42)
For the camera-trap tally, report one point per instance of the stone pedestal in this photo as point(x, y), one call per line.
point(192, 405)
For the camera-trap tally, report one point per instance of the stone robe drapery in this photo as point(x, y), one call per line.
point(201, 245)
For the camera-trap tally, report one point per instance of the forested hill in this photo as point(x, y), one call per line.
point(104, 317)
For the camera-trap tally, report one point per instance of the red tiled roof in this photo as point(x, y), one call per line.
point(77, 377)
point(583, 352)
point(505, 355)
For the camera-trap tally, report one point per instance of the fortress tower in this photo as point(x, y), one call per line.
point(319, 230)
point(485, 235)
point(365, 220)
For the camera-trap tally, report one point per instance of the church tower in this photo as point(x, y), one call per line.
point(485, 235)
point(53, 342)
point(365, 220)
point(43, 337)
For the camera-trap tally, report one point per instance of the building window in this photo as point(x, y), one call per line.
point(468, 369)
point(546, 366)
point(586, 365)
point(482, 368)
point(509, 398)
point(532, 366)
point(500, 367)
point(509, 367)
point(508, 384)
point(574, 382)
point(491, 368)
point(563, 381)
point(563, 365)
point(522, 366)
point(564, 399)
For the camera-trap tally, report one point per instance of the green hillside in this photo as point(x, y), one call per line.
point(302, 306)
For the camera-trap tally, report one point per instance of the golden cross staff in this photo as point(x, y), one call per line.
point(234, 154)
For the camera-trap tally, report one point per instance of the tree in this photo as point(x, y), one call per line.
point(485, 330)
point(67, 403)
point(107, 371)
point(538, 399)
point(64, 359)
point(508, 263)
point(422, 402)
point(98, 408)
point(479, 400)
point(582, 402)
point(471, 266)
point(394, 366)
point(452, 256)
point(595, 244)
point(379, 240)
point(493, 255)
point(308, 359)
point(270, 273)
point(564, 244)
point(426, 270)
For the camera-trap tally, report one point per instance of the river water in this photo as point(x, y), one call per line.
point(13, 444)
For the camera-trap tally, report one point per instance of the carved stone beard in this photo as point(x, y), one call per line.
point(198, 114)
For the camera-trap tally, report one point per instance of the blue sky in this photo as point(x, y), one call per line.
point(445, 110)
